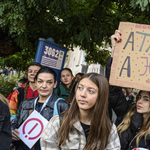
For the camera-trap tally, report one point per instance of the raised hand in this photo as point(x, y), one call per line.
point(115, 38)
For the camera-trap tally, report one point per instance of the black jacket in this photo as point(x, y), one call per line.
point(5, 127)
point(27, 106)
point(20, 96)
point(121, 107)
point(117, 100)
point(128, 135)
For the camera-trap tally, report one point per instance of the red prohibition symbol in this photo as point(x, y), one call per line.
point(35, 119)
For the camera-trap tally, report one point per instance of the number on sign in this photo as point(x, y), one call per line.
point(51, 52)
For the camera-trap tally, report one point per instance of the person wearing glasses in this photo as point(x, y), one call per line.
point(27, 90)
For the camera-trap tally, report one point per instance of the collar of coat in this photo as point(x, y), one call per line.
point(29, 103)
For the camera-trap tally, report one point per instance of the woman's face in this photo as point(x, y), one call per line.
point(86, 94)
point(45, 84)
point(143, 103)
point(32, 70)
point(66, 77)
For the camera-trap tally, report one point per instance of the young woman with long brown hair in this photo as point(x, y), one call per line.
point(86, 124)
point(133, 120)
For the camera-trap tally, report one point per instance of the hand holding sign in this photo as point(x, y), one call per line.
point(115, 38)
point(15, 135)
point(131, 60)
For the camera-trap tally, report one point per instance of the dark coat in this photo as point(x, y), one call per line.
point(5, 127)
point(128, 135)
point(20, 96)
point(27, 106)
point(121, 107)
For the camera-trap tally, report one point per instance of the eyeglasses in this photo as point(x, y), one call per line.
point(32, 71)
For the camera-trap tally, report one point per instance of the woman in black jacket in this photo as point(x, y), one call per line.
point(133, 121)
point(45, 81)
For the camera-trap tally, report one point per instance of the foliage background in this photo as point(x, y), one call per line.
point(7, 83)
point(84, 23)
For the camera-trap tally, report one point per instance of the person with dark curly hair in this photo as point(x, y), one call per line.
point(27, 90)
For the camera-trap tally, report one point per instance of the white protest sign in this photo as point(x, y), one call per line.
point(31, 130)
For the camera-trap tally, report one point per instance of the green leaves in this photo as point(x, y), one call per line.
point(7, 84)
point(142, 4)
point(71, 22)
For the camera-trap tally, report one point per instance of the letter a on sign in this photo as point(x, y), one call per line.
point(128, 67)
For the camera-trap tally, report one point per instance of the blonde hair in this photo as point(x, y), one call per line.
point(145, 129)
point(4, 100)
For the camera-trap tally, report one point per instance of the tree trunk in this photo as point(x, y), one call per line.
point(18, 73)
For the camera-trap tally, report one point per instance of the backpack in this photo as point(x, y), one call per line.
point(55, 111)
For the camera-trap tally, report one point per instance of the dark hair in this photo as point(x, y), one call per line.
point(23, 80)
point(68, 69)
point(100, 127)
point(72, 93)
point(46, 70)
point(27, 84)
point(81, 74)
point(35, 64)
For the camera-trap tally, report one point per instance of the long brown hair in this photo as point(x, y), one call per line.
point(100, 124)
point(124, 125)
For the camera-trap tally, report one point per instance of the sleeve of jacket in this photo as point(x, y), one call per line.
point(16, 124)
point(15, 100)
point(136, 122)
point(113, 141)
point(108, 67)
point(13, 104)
point(117, 100)
point(49, 138)
point(5, 127)
point(62, 106)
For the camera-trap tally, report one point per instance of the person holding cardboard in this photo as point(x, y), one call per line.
point(133, 122)
point(45, 81)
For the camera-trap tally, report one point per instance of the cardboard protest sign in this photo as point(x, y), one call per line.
point(131, 61)
point(31, 130)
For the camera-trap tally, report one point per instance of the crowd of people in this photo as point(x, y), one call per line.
point(7, 71)
point(84, 119)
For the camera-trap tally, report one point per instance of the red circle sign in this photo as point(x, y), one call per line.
point(33, 119)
